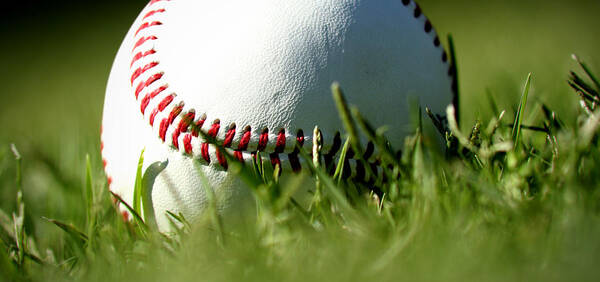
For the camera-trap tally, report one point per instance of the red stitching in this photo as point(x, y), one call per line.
point(244, 141)
point(221, 158)
point(141, 70)
point(214, 129)
point(280, 145)
point(229, 136)
point(147, 83)
point(174, 113)
point(204, 152)
point(156, 1)
point(144, 40)
point(153, 12)
point(162, 132)
point(185, 122)
point(183, 126)
point(187, 143)
point(150, 96)
point(293, 157)
point(147, 25)
point(275, 161)
point(198, 125)
point(263, 140)
point(140, 55)
point(165, 102)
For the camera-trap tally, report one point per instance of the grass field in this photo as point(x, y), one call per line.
point(508, 203)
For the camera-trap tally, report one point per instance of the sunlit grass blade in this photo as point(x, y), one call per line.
point(516, 131)
point(136, 216)
point(346, 117)
point(137, 190)
point(327, 182)
point(339, 169)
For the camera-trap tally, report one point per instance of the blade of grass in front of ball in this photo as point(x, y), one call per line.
point(136, 216)
point(336, 194)
point(339, 169)
point(137, 190)
point(212, 210)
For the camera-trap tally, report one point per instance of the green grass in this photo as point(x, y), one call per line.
point(508, 200)
point(513, 198)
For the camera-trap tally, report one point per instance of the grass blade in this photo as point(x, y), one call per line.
point(70, 229)
point(137, 190)
point(588, 71)
point(136, 216)
point(349, 125)
point(516, 131)
point(89, 193)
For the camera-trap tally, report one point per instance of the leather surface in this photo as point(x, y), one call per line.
point(266, 64)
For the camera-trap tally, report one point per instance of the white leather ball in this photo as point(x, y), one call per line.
point(256, 75)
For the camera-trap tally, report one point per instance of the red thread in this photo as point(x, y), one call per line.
point(294, 162)
point(153, 12)
point(221, 158)
point(104, 163)
point(186, 121)
point(141, 70)
point(214, 129)
point(204, 152)
point(245, 140)
point(280, 145)
point(144, 40)
point(293, 157)
point(263, 140)
point(229, 136)
point(198, 126)
point(109, 180)
point(238, 155)
point(165, 102)
point(175, 138)
point(147, 83)
point(187, 143)
point(147, 25)
point(149, 96)
point(140, 55)
point(275, 161)
point(156, 1)
point(174, 113)
point(162, 132)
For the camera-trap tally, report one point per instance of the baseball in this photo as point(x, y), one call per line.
point(256, 75)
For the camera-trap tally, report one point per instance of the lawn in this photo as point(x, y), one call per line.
point(504, 203)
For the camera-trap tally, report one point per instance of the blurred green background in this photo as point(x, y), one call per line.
point(57, 56)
